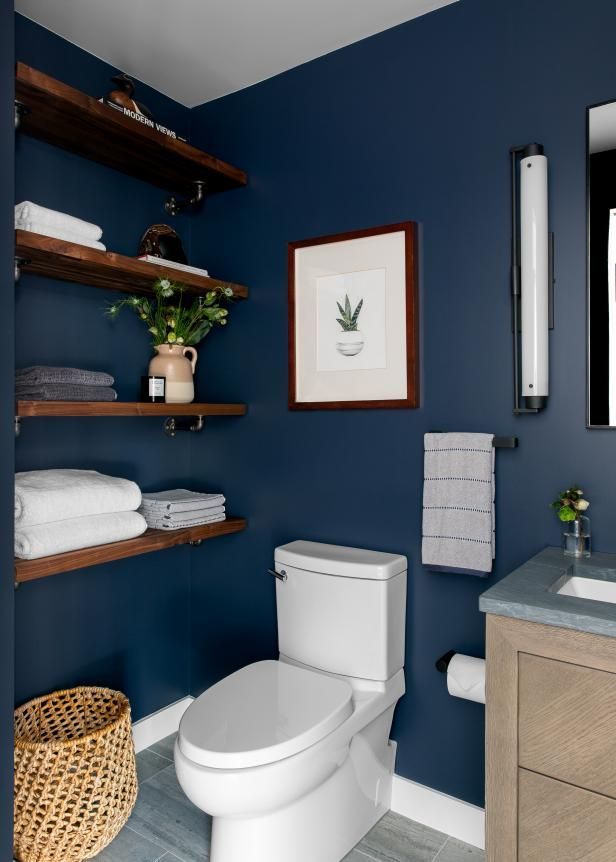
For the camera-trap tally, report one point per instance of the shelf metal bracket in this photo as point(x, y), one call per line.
point(19, 263)
point(172, 425)
point(195, 543)
point(175, 205)
point(20, 112)
point(17, 426)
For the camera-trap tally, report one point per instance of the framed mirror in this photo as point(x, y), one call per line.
point(601, 216)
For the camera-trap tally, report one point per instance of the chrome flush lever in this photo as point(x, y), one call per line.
point(282, 575)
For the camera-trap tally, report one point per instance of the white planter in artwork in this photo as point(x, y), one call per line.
point(349, 343)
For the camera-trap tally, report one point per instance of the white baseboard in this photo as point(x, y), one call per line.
point(160, 724)
point(415, 801)
point(435, 809)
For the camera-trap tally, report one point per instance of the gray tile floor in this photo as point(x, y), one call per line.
point(166, 827)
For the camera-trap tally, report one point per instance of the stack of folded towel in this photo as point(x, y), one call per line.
point(50, 383)
point(32, 217)
point(64, 510)
point(177, 509)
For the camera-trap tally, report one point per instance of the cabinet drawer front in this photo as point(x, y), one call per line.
point(567, 723)
point(560, 823)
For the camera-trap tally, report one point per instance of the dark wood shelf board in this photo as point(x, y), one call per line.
point(70, 119)
point(124, 408)
point(151, 540)
point(67, 261)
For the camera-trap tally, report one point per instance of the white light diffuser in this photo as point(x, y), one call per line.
point(534, 279)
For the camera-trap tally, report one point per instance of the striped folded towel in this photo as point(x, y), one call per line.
point(458, 503)
point(27, 211)
point(179, 500)
point(36, 374)
point(163, 524)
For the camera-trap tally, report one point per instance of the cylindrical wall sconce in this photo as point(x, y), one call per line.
point(531, 278)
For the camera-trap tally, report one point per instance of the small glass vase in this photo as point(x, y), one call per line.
point(576, 538)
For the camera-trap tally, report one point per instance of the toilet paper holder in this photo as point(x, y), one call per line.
point(443, 662)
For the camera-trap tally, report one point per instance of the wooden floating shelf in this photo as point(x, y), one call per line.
point(67, 261)
point(70, 119)
point(125, 408)
point(151, 540)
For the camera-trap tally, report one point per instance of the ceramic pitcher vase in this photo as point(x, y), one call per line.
point(171, 362)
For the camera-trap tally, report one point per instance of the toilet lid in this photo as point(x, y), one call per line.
point(262, 713)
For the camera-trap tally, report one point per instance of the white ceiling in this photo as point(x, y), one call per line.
point(198, 50)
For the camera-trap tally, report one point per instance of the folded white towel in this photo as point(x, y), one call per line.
point(58, 537)
point(180, 500)
point(458, 503)
point(27, 211)
point(181, 525)
point(43, 496)
point(59, 233)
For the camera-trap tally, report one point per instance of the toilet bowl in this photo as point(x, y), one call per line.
point(293, 761)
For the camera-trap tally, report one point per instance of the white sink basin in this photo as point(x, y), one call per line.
point(588, 588)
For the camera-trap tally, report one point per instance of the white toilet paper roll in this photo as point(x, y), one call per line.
point(466, 677)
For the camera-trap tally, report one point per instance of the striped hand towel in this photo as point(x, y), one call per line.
point(458, 503)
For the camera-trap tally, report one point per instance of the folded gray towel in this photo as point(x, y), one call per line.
point(64, 392)
point(36, 374)
point(179, 500)
point(458, 503)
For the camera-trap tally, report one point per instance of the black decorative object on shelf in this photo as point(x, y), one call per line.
point(123, 96)
point(160, 240)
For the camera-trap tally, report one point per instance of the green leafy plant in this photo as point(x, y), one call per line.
point(348, 318)
point(570, 504)
point(169, 319)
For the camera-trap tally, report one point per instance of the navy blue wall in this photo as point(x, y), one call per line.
point(415, 123)
point(123, 624)
point(412, 124)
point(6, 427)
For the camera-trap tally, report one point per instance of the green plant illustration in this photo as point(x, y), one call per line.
point(348, 318)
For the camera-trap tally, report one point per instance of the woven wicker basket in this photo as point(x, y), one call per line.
point(75, 775)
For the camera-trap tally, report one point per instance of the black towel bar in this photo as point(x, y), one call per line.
point(497, 442)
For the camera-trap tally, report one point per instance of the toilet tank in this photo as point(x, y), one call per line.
point(342, 610)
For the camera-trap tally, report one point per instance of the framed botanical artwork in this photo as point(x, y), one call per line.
point(353, 320)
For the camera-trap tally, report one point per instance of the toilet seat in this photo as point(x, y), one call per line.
point(263, 713)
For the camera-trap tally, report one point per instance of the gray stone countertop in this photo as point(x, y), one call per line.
point(529, 593)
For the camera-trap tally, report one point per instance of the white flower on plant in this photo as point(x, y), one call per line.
point(180, 340)
point(581, 505)
point(171, 337)
point(228, 291)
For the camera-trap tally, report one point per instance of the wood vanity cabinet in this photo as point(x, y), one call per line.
point(550, 744)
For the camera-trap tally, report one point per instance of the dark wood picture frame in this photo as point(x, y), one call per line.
point(411, 400)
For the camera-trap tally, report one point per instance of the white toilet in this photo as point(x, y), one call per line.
point(292, 758)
